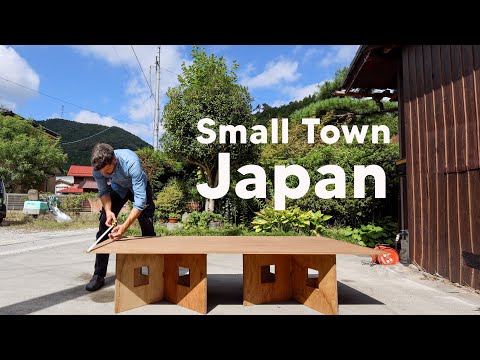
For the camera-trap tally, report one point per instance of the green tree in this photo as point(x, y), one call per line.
point(207, 89)
point(328, 88)
point(27, 153)
point(159, 167)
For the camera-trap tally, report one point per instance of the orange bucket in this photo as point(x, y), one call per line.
point(390, 258)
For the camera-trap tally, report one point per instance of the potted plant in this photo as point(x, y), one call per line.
point(173, 217)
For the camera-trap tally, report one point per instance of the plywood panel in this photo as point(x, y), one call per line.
point(422, 155)
point(443, 268)
point(476, 81)
point(415, 174)
point(474, 195)
point(323, 296)
point(255, 291)
point(438, 110)
point(230, 245)
point(471, 129)
point(194, 295)
point(459, 109)
point(432, 245)
point(430, 131)
point(129, 296)
point(448, 112)
point(452, 228)
point(409, 150)
point(466, 273)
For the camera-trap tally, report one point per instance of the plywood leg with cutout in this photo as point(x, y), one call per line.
point(139, 280)
point(186, 281)
point(319, 293)
point(266, 278)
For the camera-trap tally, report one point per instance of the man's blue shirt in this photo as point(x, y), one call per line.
point(128, 175)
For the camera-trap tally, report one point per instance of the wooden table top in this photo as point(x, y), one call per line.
point(312, 245)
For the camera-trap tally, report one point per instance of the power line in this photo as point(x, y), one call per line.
point(71, 142)
point(174, 73)
point(127, 72)
point(67, 102)
point(141, 68)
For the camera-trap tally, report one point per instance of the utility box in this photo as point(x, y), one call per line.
point(35, 208)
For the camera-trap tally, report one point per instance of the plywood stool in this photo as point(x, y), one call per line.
point(290, 280)
point(148, 278)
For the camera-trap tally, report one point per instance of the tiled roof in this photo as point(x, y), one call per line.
point(78, 170)
point(71, 190)
point(88, 184)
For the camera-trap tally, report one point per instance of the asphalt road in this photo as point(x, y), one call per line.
point(16, 241)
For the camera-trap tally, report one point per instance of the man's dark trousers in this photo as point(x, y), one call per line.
point(145, 219)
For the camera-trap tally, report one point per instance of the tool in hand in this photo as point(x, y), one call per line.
point(114, 223)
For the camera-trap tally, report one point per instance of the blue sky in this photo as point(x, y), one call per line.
point(103, 84)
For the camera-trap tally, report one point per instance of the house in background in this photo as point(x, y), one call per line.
point(63, 182)
point(438, 92)
point(83, 180)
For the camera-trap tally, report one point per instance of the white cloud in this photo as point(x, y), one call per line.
point(278, 103)
point(339, 54)
point(141, 130)
point(245, 71)
point(136, 88)
point(295, 93)
point(297, 48)
point(15, 68)
point(300, 92)
point(310, 53)
point(274, 73)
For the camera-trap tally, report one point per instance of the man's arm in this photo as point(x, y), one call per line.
point(139, 187)
point(120, 229)
point(104, 196)
point(107, 206)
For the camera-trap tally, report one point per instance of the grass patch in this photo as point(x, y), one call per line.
point(19, 220)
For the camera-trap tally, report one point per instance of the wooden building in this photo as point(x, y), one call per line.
point(438, 92)
point(83, 180)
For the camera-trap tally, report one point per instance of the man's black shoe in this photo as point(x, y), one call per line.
point(95, 283)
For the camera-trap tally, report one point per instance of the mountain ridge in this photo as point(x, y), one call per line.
point(78, 139)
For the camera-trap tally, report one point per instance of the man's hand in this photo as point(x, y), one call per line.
point(110, 218)
point(117, 232)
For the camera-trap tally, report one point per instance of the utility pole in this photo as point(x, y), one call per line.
point(157, 102)
point(61, 117)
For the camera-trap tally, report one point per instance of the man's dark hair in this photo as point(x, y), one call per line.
point(102, 155)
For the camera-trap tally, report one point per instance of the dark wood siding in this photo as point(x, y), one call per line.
point(440, 109)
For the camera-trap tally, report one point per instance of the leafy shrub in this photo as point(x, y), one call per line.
point(200, 220)
point(296, 220)
point(169, 200)
point(368, 235)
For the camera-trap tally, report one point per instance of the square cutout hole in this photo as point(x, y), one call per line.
point(140, 276)
point(183, 276)
point(312, 278)
point(267, 274)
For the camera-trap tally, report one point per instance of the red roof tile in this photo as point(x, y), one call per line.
point(88, 184)
point(71, 190)
point(77, 170)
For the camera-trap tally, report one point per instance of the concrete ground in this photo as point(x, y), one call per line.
point(46, 274)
